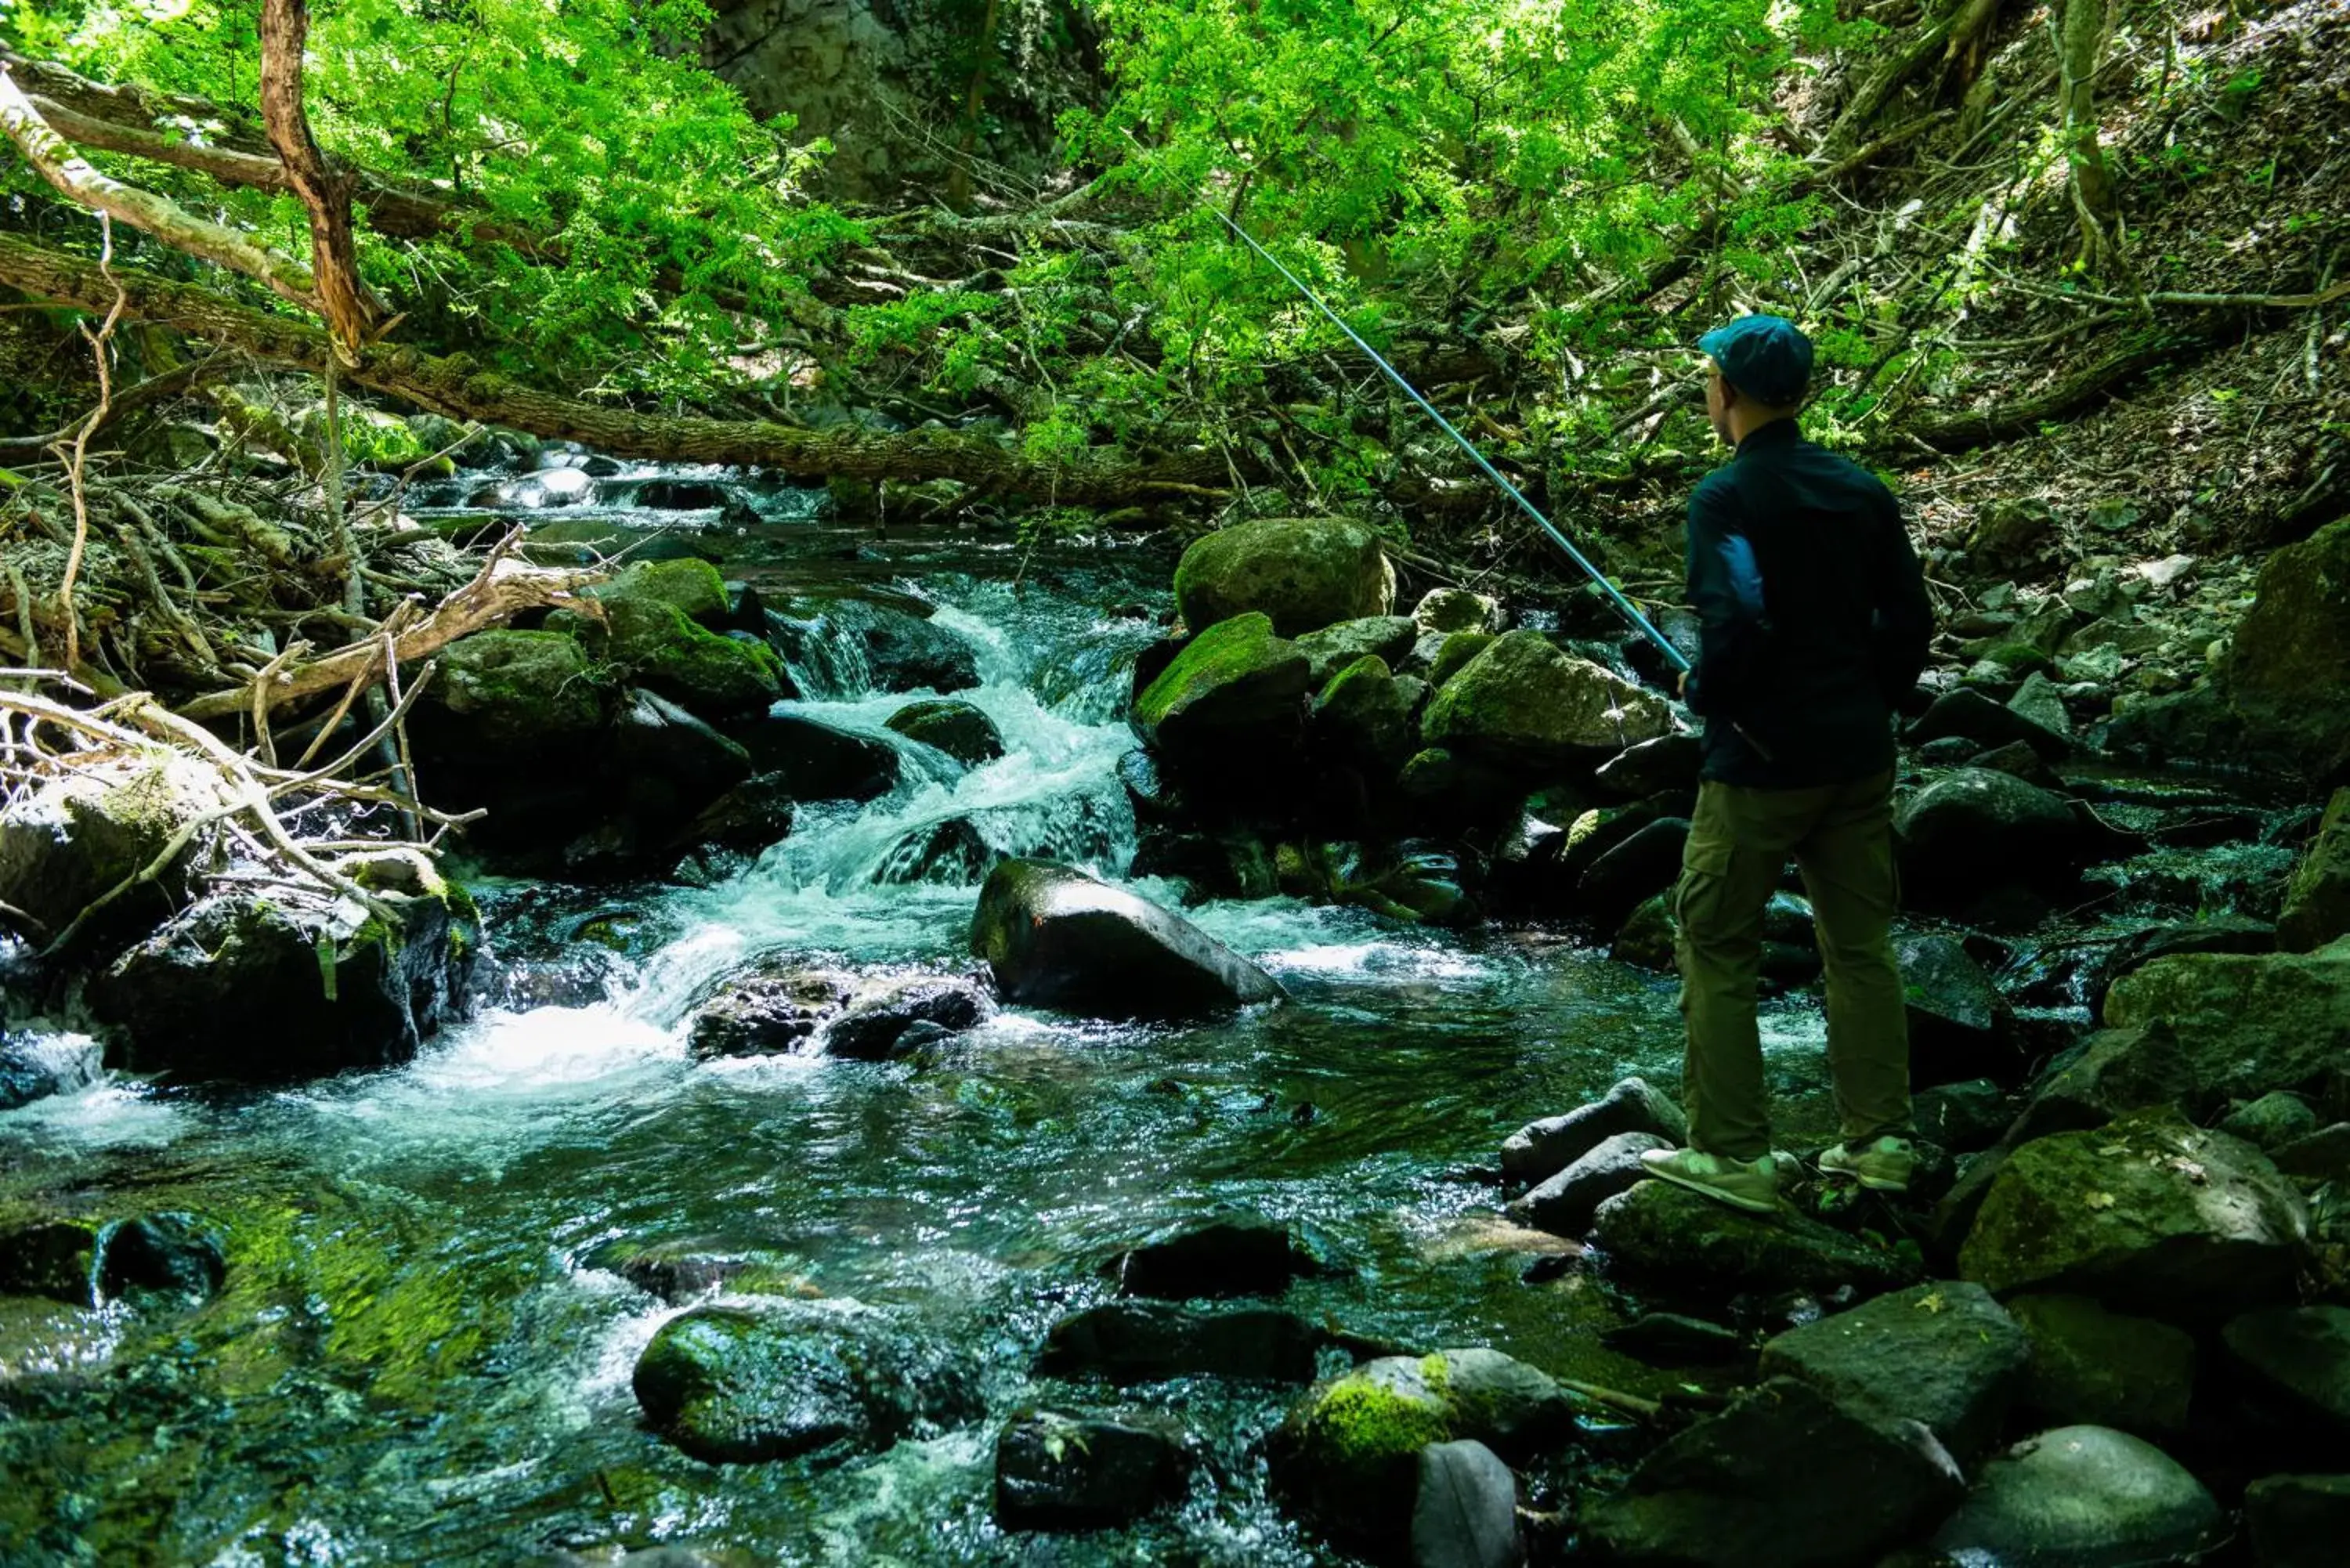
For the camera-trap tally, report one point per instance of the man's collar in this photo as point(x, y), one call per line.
point(1778, 432)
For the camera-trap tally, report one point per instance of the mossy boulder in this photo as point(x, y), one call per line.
point(2288, 669)
point(295, 984)
point(1235, 685)
point(957, 729)
point(663, 649)
point(2151, 1215)
point(2245, 1022)
point(1523, 702)
point(1364, 716)
point(1457, 610)
point(1305, 572)
point(1453, 654)
point(66, 843)
point(1349, 1453)
point(519, 689)
point(1333, 648)
point(690, 587)
point(1667, 1236)
point(738, 1385)
point(1053, 937)
point(2317, 902)
point(2102, 1368)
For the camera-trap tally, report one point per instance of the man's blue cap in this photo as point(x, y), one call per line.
point(1765, 356)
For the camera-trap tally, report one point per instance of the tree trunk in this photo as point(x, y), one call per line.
point(352, 312)
point(2079, 27)
point(1098, 476)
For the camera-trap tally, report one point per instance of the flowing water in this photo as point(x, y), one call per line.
point(417, 1357)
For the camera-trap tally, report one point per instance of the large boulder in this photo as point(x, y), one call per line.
point(1056, 937)
point(1306, 573)
point(1670, 1236)
point(2317, 902)
point(68, 842)
point(1541, 1149)
point(517, 693)
point(1785, 1478)
point(2246, 1023)
point(2301, 1357)
point(1150, 1342)
point(1235, 690)
point(1073, 1472)
point(239, 986)
point(2093, 1368)
point(2151, 1214)
point(737, 1385)
point(2287, 674)
point(1349, 1454)
point(1974, 829)
point(1944, 1355)
point(1521, 702)
point(2083, 1497)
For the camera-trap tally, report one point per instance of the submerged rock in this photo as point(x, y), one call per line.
point(2083, 1497)
point(731, 1384)
point(883, 1016)
point(298, 983)
point(1229, 1255)
point(1671, 1236)
point(1540, 1151)
point(175, 1256)
point(1076, 1472)
point(1944, 1355)
point(1304, 573)
point(1349, 1454)
point(34, 1067)
point(1521, 702)
point(957, 729)
point(1786, 1477)
point(2151, 1214)
point(1056, 937)
point(1150, 1342)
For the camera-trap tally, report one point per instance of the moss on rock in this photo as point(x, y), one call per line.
point(520, 689)
point(1305, 572)
point(1523, 702)
point(690, 587)
point(660, 646)
point(1235, 680)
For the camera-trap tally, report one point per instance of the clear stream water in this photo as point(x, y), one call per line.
point(417, 1360)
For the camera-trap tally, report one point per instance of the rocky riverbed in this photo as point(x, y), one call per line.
point(930, 1067)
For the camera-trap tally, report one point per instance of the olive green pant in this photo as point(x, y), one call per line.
point(1841, 836)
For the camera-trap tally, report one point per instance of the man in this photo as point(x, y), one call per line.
point(1814, 623)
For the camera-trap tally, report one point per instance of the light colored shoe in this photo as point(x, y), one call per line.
point(1882, 1165)
point(1749, 1184)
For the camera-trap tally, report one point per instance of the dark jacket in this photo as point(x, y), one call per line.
point(1814, 616)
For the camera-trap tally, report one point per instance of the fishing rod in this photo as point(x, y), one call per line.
point(1673, 655)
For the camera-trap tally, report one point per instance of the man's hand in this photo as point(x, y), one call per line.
point(1681, 689)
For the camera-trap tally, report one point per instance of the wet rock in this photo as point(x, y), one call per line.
point(1963, 1116)
point(1960, 1027)
point(1456, 610)
point(769, 1015)
point(1646, 939)
point(680, 495)
point(2271, 1121)
point(670, 764)
point(1364, 716)
point(957, 729)
point(952, 853)
point(1523, 704)
point(1304, 573)
point(1637, 868)
point(2150, 1213)
point(1150, 1342)
point(1668, 762)
point(904, 652)
point(1235, 690)
point(1974, 829)
point(1672, 1237)
point(34, 1067)
point(1785, 1478)
point(1349, 1454)
point(2217, 932)
point(1153, 795)
point(57, 1259)
point(1056, 937)
point(735, 1386)
point(1465, 1511)
point(1076, 1472)
point(2093, 1368)
point(749, 817)
point(1967, 713)
point(174, 1256)
point(880, 1014)
point(298, 983)
point(1388, 637)
point(1565, 1203)
point(2083, 1497)
point(66, 843)
point(2246, 1023)
point(2301, 1358)
point(2298, 1522)
point(1229, 1255)
point(1944, 1355)
point(817, 761)
point(1418, 880)
point(1675, 1339)
point(1540, 1151)
point(1209, 864)
point(685, 1269)
point(2317, 902)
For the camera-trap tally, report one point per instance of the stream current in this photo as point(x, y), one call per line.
point(418, 1358)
